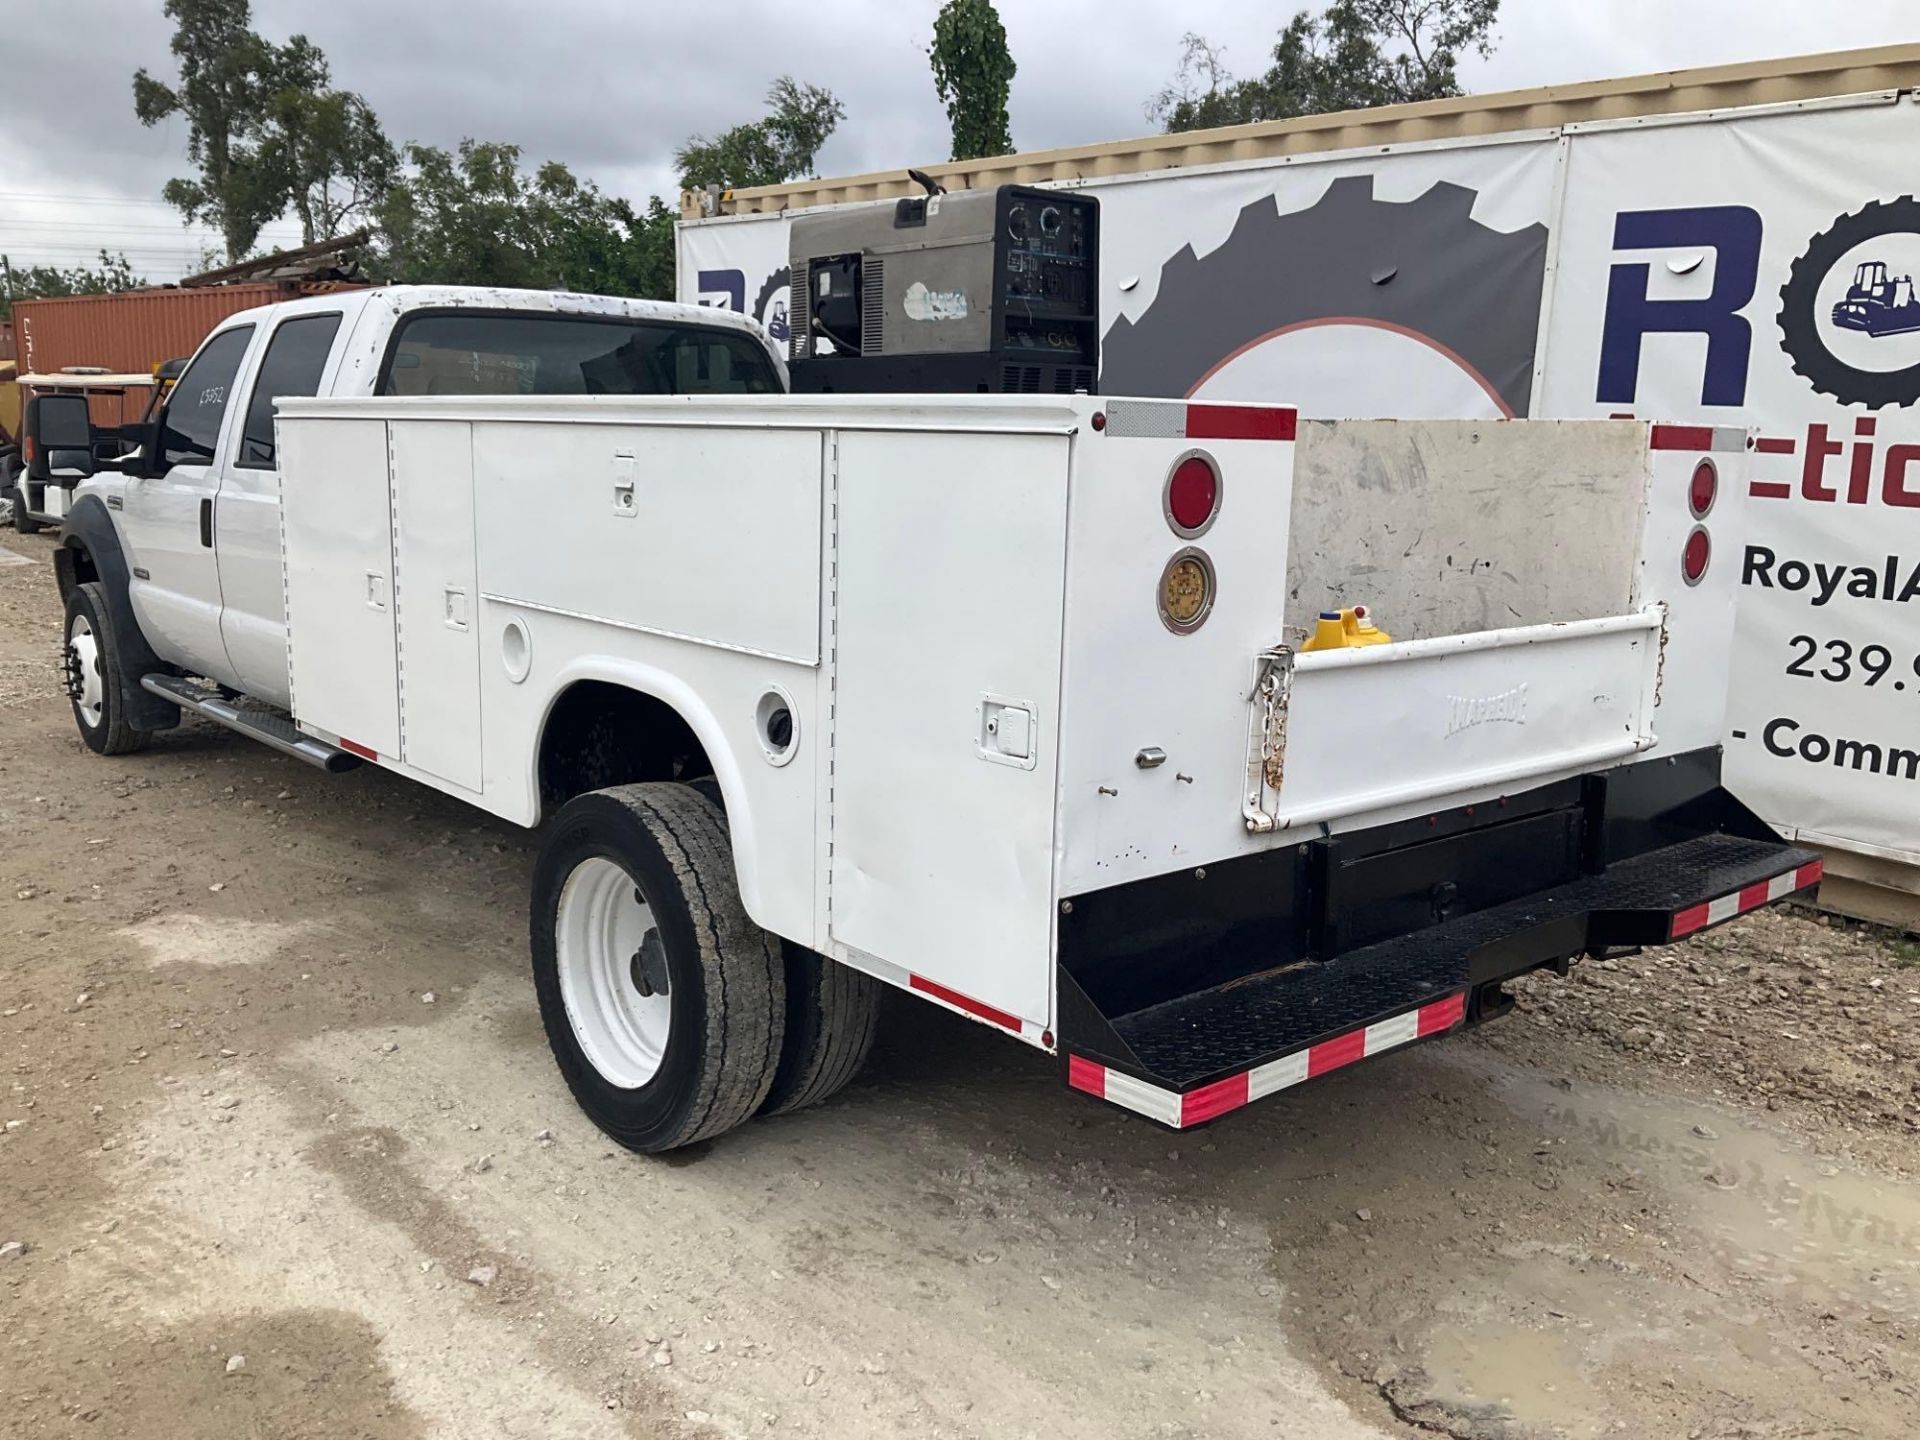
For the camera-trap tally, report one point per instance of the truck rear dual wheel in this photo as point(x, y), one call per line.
point(665, 1005)
point(672, 1016)
point(90, 662)
point(833, 1012)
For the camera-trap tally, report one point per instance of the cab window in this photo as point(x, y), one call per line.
point(542, 354)
point(295, 358)
point(198, 402)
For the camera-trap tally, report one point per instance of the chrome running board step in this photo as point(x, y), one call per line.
point(250, 718)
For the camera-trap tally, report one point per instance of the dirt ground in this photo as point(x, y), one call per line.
point(288, 1159)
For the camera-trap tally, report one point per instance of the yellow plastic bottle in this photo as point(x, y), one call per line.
point(1360, 629)
point(1328, 633)
point(1341, 629)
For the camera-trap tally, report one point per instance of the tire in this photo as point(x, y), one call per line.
point(648, 869)
point(90, 666)
point(22, 521)
point(833, 1012)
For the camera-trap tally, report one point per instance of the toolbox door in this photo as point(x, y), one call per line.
point(433, 545)
point(336, 509)
point(951, 567)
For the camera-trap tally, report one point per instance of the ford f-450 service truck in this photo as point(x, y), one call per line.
point(997, 700)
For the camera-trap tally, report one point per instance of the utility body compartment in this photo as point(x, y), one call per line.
point(1050, 752)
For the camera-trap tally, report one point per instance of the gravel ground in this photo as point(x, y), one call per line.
point(283, 1156)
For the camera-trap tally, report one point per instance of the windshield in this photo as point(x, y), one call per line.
point(522, 353)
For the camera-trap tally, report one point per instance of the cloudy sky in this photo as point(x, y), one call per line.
point(611, 86)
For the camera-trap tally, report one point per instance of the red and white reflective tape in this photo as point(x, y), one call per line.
point(1749, 897)
point(1698, 437)
point(980, 1010)
point(1180, 420)
point(1170, 1107)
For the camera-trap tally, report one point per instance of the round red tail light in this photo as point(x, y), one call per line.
point(1703, 489)
point(1695, 554)
point(1192, 496)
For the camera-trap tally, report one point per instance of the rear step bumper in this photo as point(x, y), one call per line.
point(1191, 1059)
point(269, 727)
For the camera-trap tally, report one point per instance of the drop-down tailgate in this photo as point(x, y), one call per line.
point(1335, 733)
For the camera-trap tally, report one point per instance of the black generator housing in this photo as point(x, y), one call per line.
point(981, 291)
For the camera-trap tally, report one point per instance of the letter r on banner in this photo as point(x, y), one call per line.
point(1733, 232)
point(714, 284)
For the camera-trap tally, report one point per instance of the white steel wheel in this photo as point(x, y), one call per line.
point(91, 674)
point(613, 973)
point(83, 671)
point(664, 1003)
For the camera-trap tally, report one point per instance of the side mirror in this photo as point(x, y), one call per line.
point(58, 438)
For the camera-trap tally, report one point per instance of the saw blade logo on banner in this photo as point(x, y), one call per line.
point(1353, 300)
point(1849, 320)
point(770, 308)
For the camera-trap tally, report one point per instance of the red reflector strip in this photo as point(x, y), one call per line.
point(352, 748)
point(1443, 1014)
point(1241, 422)
point(1215, 1099)
point(1748, 897)
point(1087, 1076)
point(1682, 437)
point(1332, 1054)
point(1774, 445)
point(1193, 1107)
point(978, 1008)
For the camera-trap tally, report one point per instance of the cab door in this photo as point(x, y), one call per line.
point(169, 529)
point(294, 360)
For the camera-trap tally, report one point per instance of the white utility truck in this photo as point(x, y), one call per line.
point(997, 699)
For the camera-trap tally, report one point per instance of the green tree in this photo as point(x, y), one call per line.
point(972, 73)
point(323, 147)
point(49, 282)
point(475, 217)
point(265, 128)
point(1354, 55)
point(218, 93)
point(769, 151)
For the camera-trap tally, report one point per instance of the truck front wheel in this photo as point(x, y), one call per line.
point(90, 665)
point(663, 1002)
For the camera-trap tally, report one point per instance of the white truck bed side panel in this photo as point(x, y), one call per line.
point(336, 528)
point(1699, 654)
point(1444, 529)
point(949, 600)
point(1131, 683)
point(693, 532)
point(437, 598)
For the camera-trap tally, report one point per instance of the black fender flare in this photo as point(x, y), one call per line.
point(89, 530)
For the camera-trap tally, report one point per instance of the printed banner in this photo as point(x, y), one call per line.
point(1759, 270)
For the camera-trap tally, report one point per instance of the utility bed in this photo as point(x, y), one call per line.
point(1002, 714)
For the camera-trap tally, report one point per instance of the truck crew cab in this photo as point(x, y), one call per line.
point(184, 543)
point(1000, 700)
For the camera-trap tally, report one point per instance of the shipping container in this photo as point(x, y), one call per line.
point(1790, 81)
point(131, 332)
